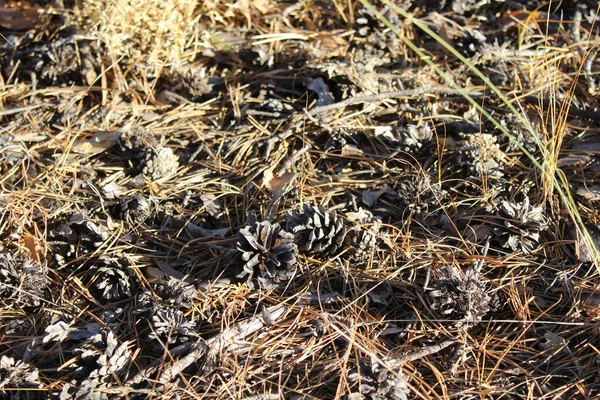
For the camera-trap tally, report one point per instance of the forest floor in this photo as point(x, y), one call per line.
point(261, 199)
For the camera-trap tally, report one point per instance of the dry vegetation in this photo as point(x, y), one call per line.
point(261, 199)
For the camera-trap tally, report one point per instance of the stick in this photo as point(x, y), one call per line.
point(229, 339)
point(17, 110)
point(320, 110)
point(292, 160)
point(386, 96)
point(425, 351)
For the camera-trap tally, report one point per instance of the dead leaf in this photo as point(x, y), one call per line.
point(477, 233)
point(351, 150)
point(586, 146)
point(554, 343)
point(370, 197)
point(583, 252)
point(168, 271)
point(195, 231)
point(97, 143)
point(31, 244)
point(113, 190)
point(320, 87)
point(330, 44)
point(592, 193)
point(56, 332)
point(278, 186)
point(573, 160)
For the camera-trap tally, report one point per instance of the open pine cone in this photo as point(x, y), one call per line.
point(377, 382)
point(316, 230)
point(522, 225)
point(147, 155)
point(462, 298)
point(267, 251)
point(169, 326)
point(176, 293)
point(420, 195)
point(362, 240)
point(134, 209)
point(101, 361)
point(111, 280)
point(17, 375)
point(23, 281)
point(414, 137)
point(77, 236)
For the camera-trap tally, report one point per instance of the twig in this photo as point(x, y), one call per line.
point(281, 136)
point(320, 110)
point(17, 110)
point(229, 339)
point(155, 365)
point(274, 115)
point(587, 69)
point(292, 160)
point(386, 96)
point(320, 298)
point(459, 351)
point(426, 351)
point(264, 396)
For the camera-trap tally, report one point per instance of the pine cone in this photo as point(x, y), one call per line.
point(113, 362)
point(471, 42)
point(316, 230)
point(170, 326)
point(77, 236)
point(377, 382)
point(523, 136)
point(267, 251)
point(196, 83)
point(420, 195)
point(18, 375)
point(362, 240)
point(176, 293)
point(19, 326)
point(111, 280)
point(482, 156)
point(148, 157)
point(414, 137)
point(134, 209)
point(100, 362)
point(159, 163)
point(23, 281)
point(135, 141)
point(145, 304)
point(522, 226)
point(462, 298)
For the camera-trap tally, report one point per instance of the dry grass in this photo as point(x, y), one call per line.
point(224, 86)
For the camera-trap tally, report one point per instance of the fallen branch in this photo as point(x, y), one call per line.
point(320, 110)
point(228, 340)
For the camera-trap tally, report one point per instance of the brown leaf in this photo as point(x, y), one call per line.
point(30, 242)
point(592, 193)
point(97, 143)
point(573, 160)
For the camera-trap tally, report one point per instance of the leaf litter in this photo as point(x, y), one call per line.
point(259, 199)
